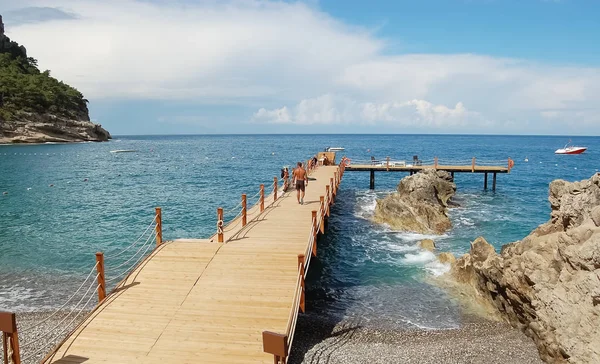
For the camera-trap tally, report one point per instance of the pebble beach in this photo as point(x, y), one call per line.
point(478, 341)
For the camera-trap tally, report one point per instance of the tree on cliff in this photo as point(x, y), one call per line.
point(23, 88)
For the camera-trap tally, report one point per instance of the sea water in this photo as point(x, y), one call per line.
point(64, 202)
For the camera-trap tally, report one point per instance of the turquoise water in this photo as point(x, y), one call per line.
point(101, 201)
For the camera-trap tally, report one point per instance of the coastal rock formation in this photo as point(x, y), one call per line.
point(52, 111)
point(420, 203)
point(448, 258)
point(548, 284)
point(42, 128)
point(427, 244)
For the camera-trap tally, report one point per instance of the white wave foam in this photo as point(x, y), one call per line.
point(437, 268)
point(418, 258)
point(401, 248)
point(365, 205)
point(411, 237)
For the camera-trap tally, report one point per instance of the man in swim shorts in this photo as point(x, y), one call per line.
point(301, 181)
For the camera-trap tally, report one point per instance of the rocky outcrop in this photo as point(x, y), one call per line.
point(35, 128)
point(420, 203)
point(427, 244)
point(548, 284)
point(52, 111)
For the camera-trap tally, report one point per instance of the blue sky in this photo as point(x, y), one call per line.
point(549, 31)
point(233, 66)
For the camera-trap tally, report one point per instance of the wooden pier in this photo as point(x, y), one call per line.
point(390, 165)
point(231, 298)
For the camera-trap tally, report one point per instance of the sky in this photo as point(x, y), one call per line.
point(322, 66)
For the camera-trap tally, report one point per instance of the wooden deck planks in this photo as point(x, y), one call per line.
point(198, 301)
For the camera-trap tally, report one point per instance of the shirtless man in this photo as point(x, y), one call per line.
point(301, 181)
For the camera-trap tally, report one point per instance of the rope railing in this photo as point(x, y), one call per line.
point(37, 339)
point(304, 264)
point(57, 331)
point(63, 331)
point(151, 225)
point(129, 269)
point(39, 323)
point(227, 223)
point(145, 244)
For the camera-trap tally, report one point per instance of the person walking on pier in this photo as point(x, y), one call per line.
point(301, 181)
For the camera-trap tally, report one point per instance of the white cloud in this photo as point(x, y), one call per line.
point(331, 109)
point(293, 64)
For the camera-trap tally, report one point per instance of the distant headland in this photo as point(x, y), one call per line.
point(37, 108)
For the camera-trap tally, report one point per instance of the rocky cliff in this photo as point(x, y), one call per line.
point(420, 203)
point(548, 284)
point(35, 107)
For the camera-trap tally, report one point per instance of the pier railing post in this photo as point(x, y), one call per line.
point(220, 224)
point(328, 192)
point(387, 164)
point(336, 177)
point(158, 226)
point(262, 197)
point(315, 231)
point(275, 182)
point(435, 162)
point(473, 164)
point(332, 188)
point(276, 344)
point(322, 217)
point(244, 210)
point(10, 338)
point(301, 259)
point(101, 277)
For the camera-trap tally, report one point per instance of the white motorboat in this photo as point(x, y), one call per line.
point(570, 149)
point(123, 151)
point(334, 149)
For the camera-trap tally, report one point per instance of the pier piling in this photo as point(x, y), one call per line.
point(485, 181)
point(494, 182)
point(372, 181)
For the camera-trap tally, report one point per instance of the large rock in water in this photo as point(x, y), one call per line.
point(548, 284)
point(420, 205)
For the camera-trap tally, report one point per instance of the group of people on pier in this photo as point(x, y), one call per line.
point(300, 175)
